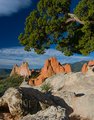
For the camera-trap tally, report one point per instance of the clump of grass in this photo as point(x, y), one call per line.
point(46, 87)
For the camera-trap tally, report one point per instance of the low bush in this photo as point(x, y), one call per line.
point(13, 81)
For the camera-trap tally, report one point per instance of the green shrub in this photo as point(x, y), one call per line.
point(13, 81)
point(46, 87)
point(35, 74)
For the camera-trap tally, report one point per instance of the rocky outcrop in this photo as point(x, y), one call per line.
point(88, 67)
point(15, 70)
point(77, 91)
point(84, 68)
point(12, 101)
point(91, 63)
point(23, 70)
point(71, 95)
point(51, 67)
point(67, 68)
point(19, 102)
point(56, 66)
point(51, 113)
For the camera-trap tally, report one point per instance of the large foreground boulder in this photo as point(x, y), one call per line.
point(77, 90)
point(20, 101)
point(51, 67)
point(51, 113)
point(12, 100)
point(23, 70)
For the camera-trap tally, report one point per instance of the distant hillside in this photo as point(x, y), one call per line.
point(4, 73)
point(76, 67)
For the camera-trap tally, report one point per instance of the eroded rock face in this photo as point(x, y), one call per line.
point(88, 67)
point(23, 70)
point(91, 63)
point(15, 70)
point(21, 101)
point(51, 113)
point(77, 91)
point(13, 100)
point(84, 68)
point(67, 68)
point(56, 66)
point(51, 67)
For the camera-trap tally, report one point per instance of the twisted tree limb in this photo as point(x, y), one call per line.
point(74, 18)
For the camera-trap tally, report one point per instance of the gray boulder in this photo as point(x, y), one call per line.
point(13, 100)
point(77, 90)
point(51, 113)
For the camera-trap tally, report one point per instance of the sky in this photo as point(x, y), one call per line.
point(12, 18)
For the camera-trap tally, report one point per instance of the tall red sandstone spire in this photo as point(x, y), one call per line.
point(23, 70)
point(51, 67)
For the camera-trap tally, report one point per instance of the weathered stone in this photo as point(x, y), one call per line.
point(13, 100)
point(39, 80)
point(51, 67)
point(23, 100)
point(47, 70)
point(8, 116)
point(23, 70)
point(67, 68)
point(15, 70)
point(88, 67)
point(51, 113)
point(30, 82)
point(91, 63)
point(57, 67)
point(77, 91)
point(84, 68)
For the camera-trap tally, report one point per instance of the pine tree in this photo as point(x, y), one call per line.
point(52, 23)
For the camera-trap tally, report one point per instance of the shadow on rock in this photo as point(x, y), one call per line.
point(34, 100)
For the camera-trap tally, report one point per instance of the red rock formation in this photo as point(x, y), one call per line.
point(51, 67)
point(56, 66)
point(47, 70)
point(15, 70)
point(39, 80)
point(91, 63)
point(87, 66)
point(31, 82)
point(67, 68)
point(32, 71)
point(84, 68)
point(23, 70)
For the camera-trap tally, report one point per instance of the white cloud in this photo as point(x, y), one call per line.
point(11, 56)
point(7, 7)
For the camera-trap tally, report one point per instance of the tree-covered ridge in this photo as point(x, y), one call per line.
point(52, 23)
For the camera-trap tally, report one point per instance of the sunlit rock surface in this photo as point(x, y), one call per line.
point(23, 70)
point(51, 67)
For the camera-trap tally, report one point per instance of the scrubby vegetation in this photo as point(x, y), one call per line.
point(4, 73)
point(13, 81)
point(35, 74)
point(46, 87)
